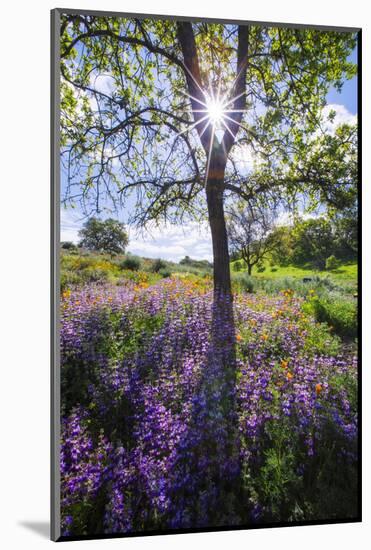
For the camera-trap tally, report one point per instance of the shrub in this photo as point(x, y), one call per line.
point(94, 275)
point(237, 266)
point(198, 264)
point(69, 279)
point(337, 312)
point(320, 285)
point(164, 272)
point(132, 263)
point(244, 282)
point(274, 269)
point(68, 245)
point(260, 268)
point(332, 263)
point(158, 265)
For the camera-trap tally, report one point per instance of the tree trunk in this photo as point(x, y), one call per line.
point(249, 269)
point(222, 277)
point(223, 330)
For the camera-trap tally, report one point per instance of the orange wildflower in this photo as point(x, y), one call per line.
point(238, 337)
point(289, 376)
point(318, 388)
point(284, 364)
point(264, 336)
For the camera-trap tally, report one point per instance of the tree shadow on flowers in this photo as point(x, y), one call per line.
point(205, 482)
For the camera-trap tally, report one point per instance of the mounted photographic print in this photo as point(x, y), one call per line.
point(205, 210)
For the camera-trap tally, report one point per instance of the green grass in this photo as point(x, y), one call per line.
point(346, 273)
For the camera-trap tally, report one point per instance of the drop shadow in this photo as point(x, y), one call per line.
point(41, 528)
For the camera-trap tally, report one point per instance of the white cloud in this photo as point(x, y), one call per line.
point(70, 225)
point(287, 218)
point(245, 158)
point(103, 83)
point(342, 116)
point(173, 242)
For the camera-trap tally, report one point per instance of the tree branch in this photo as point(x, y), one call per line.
point(193, 78)
point(239, 92)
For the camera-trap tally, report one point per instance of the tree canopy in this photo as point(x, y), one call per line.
point(104, 236)
point(128, 121)
point(175, 118)
point(251, 235)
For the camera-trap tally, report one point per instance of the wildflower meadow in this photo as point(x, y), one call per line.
point(155, 437)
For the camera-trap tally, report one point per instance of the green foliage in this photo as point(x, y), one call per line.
point(332, 263)
point(317, 285)
point(250, 233)
point(293, 91)
point(344, 276)
point(280, 482)
point(95, 275)
point(132, 263)
point(345, 225)
point(237, 266)
point(338, 312)
point(104, 236)
point(283, 251)
point(164, 272)
point(157, 265)
point(78, 269)
point(320, 340)
point(197, 264)
point(292, 485)
point(243, 282)
point(69, 279)
point(312, 241)
point(68, 245)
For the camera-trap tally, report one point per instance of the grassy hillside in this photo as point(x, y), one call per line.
point(79, 267)
point(346, 273)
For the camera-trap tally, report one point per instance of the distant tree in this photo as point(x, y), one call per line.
point(133, 263)
point(313, 242)
point(158, 265)
point(250, 234)
point(345, 228)
point(282, 254)
point(185, 261)
point(104, 236)
point(199, 264)
point(68, 245)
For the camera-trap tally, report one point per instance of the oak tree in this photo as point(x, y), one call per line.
point(175, 119)
point(251, 234)
point(108, 236)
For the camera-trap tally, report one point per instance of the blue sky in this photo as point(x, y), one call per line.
point(348, 96)
point(193, 239)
